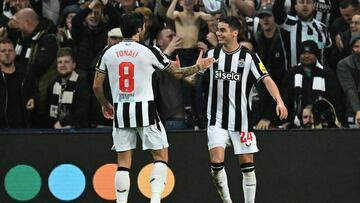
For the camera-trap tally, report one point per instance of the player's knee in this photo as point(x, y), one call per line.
point(247, 167)
point(216, 167)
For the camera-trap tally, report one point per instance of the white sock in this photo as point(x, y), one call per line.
point(157, 181)
point(249, 186)
point(122, 185)
point(220, 179)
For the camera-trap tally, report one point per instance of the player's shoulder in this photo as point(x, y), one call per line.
point(247, 51)
point(213, 50)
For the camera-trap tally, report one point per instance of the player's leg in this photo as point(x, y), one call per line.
point(158, 174)
point(249, 179)
point(124, 141)
point(122, 176)
point(154, 138)
point(245, 146)
point(217, 141)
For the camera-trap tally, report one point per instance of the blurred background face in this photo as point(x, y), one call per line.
point(19, 4)
point(267, 22)
point(355, 24)
point(21, 23)
point(307, 118)
point(94, 17)
point(7, 54)
point(347, 13)
point(304, 9)
point(356, 46)
point(65, 65)
point(165, 37)
point(187, 4)
point(308, 59)
point(69, 18)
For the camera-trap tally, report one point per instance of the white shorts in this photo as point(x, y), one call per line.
point(124, 139)
point(243, 142)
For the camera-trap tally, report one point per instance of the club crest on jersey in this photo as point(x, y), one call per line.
point(221, 75)
point(241, 63)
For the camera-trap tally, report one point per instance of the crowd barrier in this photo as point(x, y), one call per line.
point(297, 166)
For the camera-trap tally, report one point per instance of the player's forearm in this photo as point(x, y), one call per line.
point(182, 72)
point(273, 90)
point(99, 94)
point(171, 9)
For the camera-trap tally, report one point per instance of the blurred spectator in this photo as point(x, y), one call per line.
point(299, 28)
point(307, 82)
point(96, 117)
point(36, 50)
point(307, 119)
point(348, 70)
point(69, 95)
point(151, 26)
point(124, 6)
point(18, 94)
point(342, 41)
point(89, 32)
point(65, 25)
point(16, 6)
point(169, 100)
point(267, 44)
point(51, 10)
point(187, 26)
point(348, 8)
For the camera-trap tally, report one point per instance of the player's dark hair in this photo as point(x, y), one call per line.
point(130, 23)
point(236, 23)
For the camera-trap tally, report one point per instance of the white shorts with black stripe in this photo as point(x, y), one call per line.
point(243, 142)
point(152, 136)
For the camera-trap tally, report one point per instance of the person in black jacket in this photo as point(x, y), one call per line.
point(18, 92)
point(309, 81)
point(89, 32)
point(69, 95)
point(267, 44)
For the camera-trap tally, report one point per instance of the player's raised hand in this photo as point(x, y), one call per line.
point(281, 110)
point(108, 111)
point(204, 63)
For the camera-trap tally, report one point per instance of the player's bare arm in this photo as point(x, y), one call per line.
point(270, 85)
point(182, 72)
point(171, 13)
point(107, 108)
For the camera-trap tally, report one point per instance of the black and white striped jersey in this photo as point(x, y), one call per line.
point(322, 9)
point(231, 80)
point(130, 68)
point(294, 31)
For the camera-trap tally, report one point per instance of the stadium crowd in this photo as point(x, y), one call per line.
point(49, 50)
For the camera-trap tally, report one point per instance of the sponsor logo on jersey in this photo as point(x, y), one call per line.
point(262, 68)
point(221, 75)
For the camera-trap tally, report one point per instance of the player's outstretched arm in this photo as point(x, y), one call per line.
point(270, 85)
point(106, 107)
point(181, 72)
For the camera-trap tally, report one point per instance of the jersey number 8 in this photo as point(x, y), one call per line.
point(126, 77)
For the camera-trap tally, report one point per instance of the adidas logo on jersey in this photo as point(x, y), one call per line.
point(221, 75)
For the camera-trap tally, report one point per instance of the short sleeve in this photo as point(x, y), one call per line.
point(257, 68)
point(158, 59)
point(100, 64)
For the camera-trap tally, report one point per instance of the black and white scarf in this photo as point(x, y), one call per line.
point(318, 86)
point(62, 96)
